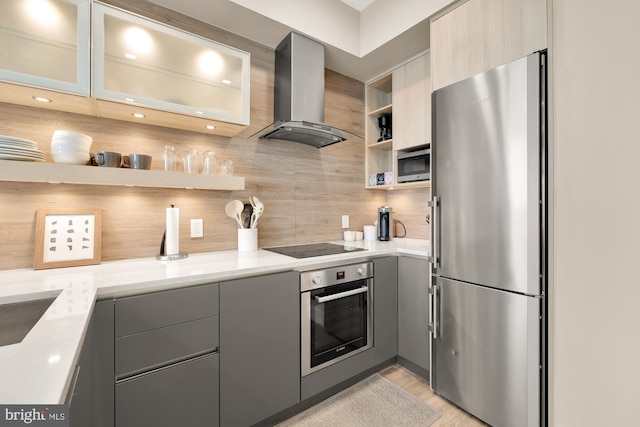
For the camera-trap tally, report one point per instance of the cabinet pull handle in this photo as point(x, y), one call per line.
point(345, 294)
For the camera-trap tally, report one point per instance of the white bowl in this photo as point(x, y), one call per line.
point(65, 147)
point(71, 134)
point(70, 157)
point(71, 139)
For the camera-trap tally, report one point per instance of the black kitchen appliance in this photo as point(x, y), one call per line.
point(385, 223)
point(384, 123)
point(313, 250)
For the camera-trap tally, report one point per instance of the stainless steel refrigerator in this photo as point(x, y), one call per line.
point(489, 215)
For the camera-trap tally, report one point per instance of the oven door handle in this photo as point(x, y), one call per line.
point(344, 294)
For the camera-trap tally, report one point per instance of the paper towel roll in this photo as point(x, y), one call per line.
point(172, 245)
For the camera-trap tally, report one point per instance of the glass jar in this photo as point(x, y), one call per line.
point(169, 158)
point(225, 168)
point(191, 161)
point(209, 163)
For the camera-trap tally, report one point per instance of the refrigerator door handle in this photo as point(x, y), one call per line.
point(435, 206)
point(435, 311)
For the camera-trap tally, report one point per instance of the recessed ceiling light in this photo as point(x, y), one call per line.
point(138, 115)
point(42, 99)
point(210, 127)
point(227, 82)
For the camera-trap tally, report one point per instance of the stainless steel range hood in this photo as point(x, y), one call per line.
point(299, 95)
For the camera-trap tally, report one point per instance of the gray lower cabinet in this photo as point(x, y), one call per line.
point(166, 364)
point(259, 347)
point(182, 394)
point(80, 397)
point(385, 305)
point(413, 311)
point(102, 408)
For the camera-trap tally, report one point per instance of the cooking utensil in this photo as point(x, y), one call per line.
point(258, 209)
point(247, 213)
point(234, 210)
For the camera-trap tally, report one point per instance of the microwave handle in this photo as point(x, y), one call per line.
point(344, 294)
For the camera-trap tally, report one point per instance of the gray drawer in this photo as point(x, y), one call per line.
point(156, 310)
point(146, 350)
point(185, 394)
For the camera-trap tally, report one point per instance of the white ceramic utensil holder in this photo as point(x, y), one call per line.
point(247, 239)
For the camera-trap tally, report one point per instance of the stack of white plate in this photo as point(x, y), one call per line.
point(12, 148)
point(70, 147)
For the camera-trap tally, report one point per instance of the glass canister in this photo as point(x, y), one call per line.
point(191, 161)
point(209, 163)
point(169, 158)
point(225, 168)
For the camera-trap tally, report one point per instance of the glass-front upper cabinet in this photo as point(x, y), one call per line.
point(145, 63)
point(45, 43)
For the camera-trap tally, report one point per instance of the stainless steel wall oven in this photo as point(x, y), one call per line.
point(336, 314)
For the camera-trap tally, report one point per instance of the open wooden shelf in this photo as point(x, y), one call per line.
point(56, 173)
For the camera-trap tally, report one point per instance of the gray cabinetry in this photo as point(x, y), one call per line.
point(165, 361)
point(385, 313)
point(99, 344)
point(259, 347)
point(80, 394)
point(413, 311)
point(182, 394)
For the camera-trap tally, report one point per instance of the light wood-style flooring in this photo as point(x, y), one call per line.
point(419, 387)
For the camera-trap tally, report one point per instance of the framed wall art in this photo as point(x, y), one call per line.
point(67, 238)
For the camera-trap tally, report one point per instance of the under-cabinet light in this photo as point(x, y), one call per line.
point(130, 56)
point(129, 99)
point(210, 127)
point(199, 112)
point(138, 115)
point(227, 82)
point(41, 99)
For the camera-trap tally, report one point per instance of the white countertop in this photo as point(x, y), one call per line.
point(38, 370)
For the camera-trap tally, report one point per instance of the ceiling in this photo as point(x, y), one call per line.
point(358, 5)
point(362, 38)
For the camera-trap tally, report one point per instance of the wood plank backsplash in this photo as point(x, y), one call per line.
point(305, 190)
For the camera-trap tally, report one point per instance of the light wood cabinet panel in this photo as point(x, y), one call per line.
point(405, 93)
point(412, 104)
point(479, 35)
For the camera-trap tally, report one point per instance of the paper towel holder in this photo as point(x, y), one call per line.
point(162, 256)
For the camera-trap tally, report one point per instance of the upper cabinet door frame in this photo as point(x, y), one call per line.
point(48, 14)
point(235, 111)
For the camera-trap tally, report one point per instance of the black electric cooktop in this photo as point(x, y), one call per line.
point(313, 249)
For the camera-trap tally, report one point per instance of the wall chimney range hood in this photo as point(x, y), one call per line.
point(298, 108)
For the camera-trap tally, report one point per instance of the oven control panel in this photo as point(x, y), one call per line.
point(335, 275)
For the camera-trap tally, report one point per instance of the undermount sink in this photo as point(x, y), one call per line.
point(18, 318)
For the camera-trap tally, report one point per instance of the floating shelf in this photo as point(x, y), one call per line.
point(405, 185)
point(380, 111)
point(382, 145)
point(56, 173)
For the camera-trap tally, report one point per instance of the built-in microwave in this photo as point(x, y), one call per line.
point(414, 166)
